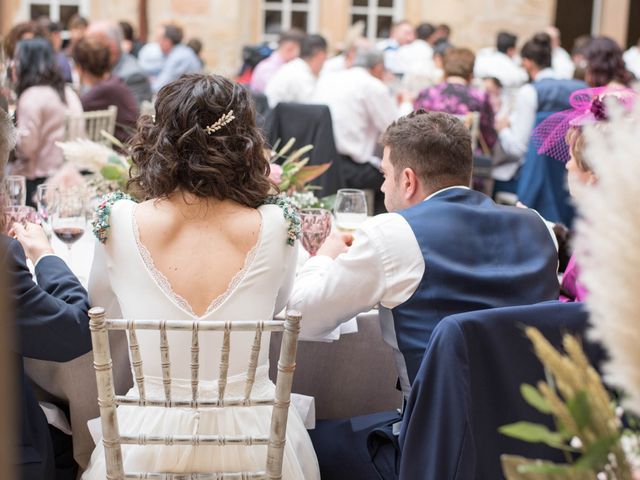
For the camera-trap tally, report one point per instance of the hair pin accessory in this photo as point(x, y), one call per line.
point(225, 119)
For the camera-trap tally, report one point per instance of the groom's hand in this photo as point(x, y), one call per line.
point(33, 240)
point(335, 244)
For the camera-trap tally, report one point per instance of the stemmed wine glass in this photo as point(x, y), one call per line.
point(69, 219)
point(316, 227)
point(16, 190)
point(350, 209)
point(45, 202)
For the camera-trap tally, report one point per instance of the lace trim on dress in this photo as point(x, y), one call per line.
point(165, 285)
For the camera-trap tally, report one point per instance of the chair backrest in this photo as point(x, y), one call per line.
point(472, 122)
point(107, 400)
point(90, 125)
point(451, 421)
point(482, 164)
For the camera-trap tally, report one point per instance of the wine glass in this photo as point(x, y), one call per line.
point(350, 209)
point(45, 202)
point(16, 190)
point(69, 218)
point(316, 227)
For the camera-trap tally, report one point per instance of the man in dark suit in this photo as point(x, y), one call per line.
point(50, 323)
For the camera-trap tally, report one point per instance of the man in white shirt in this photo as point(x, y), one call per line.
point(500, 62)
point(296, 80)
point(361, 109)
point(561, 60)
point(402, 33)
point(446, 249)
point(417, 58)
point(632, 60)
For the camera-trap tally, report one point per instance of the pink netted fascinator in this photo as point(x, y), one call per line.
point(587, 107)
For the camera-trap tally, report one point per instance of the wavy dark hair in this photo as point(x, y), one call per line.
point(36, 65)
point(605, 63)
point(175, 152)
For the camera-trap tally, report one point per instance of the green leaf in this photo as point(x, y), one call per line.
point(595, 455)
point(544, 468)
point(112, 139)
point(111, 172)
point(534, 398)
point(533, 433)
point(580, 409)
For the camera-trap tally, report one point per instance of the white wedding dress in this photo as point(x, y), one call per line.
point(125, 281)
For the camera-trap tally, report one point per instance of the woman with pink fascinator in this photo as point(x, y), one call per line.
point(562, 137)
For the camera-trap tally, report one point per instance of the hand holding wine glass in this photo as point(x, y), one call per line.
point(350, 209)
point(316, 227)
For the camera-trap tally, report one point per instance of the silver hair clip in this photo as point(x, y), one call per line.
point(221, 122)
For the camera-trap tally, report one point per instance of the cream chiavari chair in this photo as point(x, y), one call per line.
point(107, 400)
point(90, 125)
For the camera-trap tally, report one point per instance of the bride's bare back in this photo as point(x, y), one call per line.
point(198, 245)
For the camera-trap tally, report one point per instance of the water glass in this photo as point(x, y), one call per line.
point(350, 209)
point(16, 190)
point(316, 227)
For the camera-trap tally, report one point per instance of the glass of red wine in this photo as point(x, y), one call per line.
point(316, 227)
point(69, 218)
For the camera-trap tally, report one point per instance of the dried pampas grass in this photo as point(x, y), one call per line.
point(608, 246)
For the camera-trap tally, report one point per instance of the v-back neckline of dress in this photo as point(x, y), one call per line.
point(165, 286)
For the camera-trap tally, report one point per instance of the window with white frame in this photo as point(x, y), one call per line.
point(57, 10)
point(377, 15)
point(278, 16)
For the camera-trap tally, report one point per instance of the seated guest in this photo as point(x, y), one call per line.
point(296, 81)
point(195, 44)
point(130, 44)
point(50, 322)
point(43, 103)
point(123, 65)
point(430, 258)
point(605, 64)
point(418, 57)
point(561, 136)
point(100, 88)
point(52, 31)
point(578, 56)
point(20, 31)
point(179, 59)
point(501, 62)
point(201, 162)
point(77, 27)
point(361, 109)
point(446, 249)
point(402, 33)
point(288, 49)
point(456, 96)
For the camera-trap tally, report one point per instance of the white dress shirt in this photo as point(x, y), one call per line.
point(492, 63)
point(293, 82)
point(334, 64)
point(361, 110)
point(562, 64)
point(383, 266)
point(416, 57)
point(632, 61)
point(515, 138)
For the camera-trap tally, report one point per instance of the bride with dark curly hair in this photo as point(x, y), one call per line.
point(203, 246)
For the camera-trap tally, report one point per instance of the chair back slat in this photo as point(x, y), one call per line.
point(90, 125)
point(284, 381)
point(224, 361)
point(253, 363)
point(136, 359)
point(198, 476)
point(195, 362)
point(108, 401)
point(165, 362)
point(215, 440)
point(215, 403)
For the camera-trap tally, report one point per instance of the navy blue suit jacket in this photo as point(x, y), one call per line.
point(51, 323)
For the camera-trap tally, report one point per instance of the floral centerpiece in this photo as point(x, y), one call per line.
point(110, 169)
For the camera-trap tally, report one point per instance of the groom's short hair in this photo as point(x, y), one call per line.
point(435, 145)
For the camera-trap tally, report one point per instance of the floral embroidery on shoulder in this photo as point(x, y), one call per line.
point(102, 214)
point(290, 214)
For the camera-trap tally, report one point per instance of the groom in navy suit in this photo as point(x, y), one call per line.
point(50, 323)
